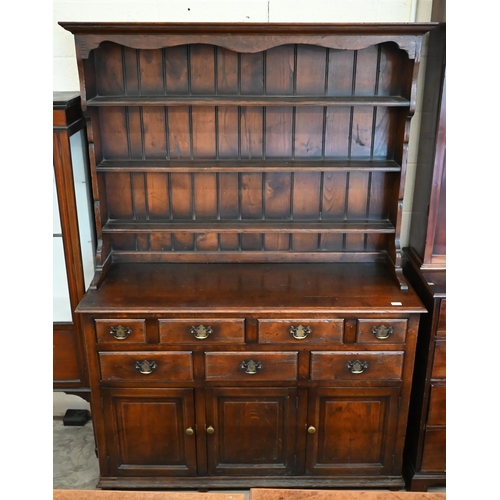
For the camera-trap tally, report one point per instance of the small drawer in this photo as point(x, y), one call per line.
point(251, 366)
point(441, 326)
point(328, 331)
point(389, 331)
point(437, 405)
point(150, 366)
point(209, 331)
point(120, 330)
point(439, 364)
point(373, 365)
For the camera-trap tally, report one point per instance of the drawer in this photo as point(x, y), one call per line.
point(373, 365)
point(437, 405)
point(388, 331)
point(439, 363)
point(441, 326)
point(299, 331)
point(434, 452)
point(120, 330)
point(251, 366)
point(209, 331)
point(150, 366)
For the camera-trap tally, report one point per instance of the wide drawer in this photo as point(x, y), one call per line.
point(251, 366)
point(350, 365)
point(434, 453)
point(150, 366)
point(120, 330)
point(329, 331)
point(209, 331)
point(441, 326)
point(388, 331)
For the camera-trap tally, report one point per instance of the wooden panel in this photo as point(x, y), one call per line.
point(170, 367)
point(321, 332)
point(151, 72)
point(149, 432)
point(230, 331)
point(434, 454)
point(439, 363)
point(441, 327)
point(354, 430)
point(311, 494)
point(437, 405)
point(394, 329)
point(65, 365)
point(334, 365)
point(106, 330)
point(228, 366)
point(254, 431)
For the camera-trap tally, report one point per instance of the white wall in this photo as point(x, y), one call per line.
point(65, 75)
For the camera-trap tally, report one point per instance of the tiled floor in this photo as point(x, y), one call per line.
point(75, 461)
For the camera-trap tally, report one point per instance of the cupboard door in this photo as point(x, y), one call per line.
point(149, 432)
point(351, 431)
point(251, 431)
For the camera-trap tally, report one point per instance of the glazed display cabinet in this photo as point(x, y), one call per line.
point(249, 323)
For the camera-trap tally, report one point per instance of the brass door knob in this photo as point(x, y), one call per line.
point(189, 431)
point(210, 430)
point(311, 429)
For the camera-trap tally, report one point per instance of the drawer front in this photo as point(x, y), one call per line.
point(209, 331)
point(437, 405)
point(441, 326)
point(434, 453)
point(439, 364)
point(357, 366)
point(120, 330)
point(387, 331)
point(146, 366)
point(301, 331)
point(251, 366)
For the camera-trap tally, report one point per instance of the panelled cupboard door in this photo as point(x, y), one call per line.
point(150, 431)
point(351, 430)
point(251, 431)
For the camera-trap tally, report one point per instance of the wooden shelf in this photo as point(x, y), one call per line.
point(248, 226)
point(257, 165)
point(240, 100)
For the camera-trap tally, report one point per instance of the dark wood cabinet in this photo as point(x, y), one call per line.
point(425, 451)
point(69, 366)
point(249, 323)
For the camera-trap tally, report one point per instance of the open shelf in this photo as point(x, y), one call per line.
point(248, 226)
point(257, 165)
point(240, 100)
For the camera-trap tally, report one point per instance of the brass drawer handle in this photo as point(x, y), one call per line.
point(201, 332)
point(311, 429)
point(189, 431)
point(382, 331)
point(251, 366)
point(357, 366)
point(120, 332)
point(210, 430)
point(145, 367)
point(300, 332)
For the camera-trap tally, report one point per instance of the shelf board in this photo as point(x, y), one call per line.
point(255, 165)
point(248, 100)
point(248, 226)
